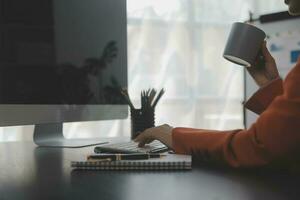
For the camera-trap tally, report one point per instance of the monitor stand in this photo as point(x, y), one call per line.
point(51, 135)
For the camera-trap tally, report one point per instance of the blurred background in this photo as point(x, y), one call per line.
point(178, 45)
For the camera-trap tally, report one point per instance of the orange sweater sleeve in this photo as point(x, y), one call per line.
point(274, 135)
point(259, 102)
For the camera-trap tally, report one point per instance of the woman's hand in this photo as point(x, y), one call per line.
point(263, 75)
point(162, 133)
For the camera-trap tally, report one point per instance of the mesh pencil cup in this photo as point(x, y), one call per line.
point(141, 119)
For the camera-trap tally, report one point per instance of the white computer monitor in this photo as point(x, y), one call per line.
point(62, 61)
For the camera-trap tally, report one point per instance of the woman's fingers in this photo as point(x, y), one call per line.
point(266, 53)
point(263, 75)
point(146, 141)
point(161, 133)
point(144, 138)
point(271, 68)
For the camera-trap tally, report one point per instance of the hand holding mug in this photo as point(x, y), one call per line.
point(246, 46)
point(266, 73)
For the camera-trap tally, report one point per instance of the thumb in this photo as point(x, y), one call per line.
point(270, 66)
point(266, 53)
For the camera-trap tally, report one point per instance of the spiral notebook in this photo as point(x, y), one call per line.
point(170, 162)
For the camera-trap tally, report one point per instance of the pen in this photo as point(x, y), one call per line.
point(100, 160)
point(117, 157)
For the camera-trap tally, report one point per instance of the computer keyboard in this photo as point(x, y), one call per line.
point(131, 147)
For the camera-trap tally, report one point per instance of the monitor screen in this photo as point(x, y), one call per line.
point(62, 57)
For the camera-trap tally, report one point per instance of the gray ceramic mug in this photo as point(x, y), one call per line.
point(244, 44)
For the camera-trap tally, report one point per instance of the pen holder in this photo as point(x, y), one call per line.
point(141, 119)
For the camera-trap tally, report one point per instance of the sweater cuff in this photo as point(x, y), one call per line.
point(205, 145)
point(264, 96)
point(177, 142)
point(190, 140)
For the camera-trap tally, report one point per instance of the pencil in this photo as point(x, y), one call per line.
point(162, 91)
point(124, 92)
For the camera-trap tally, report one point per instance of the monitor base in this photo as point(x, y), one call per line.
point(51, 135)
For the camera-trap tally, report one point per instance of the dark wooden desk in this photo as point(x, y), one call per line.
point(33, 173)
